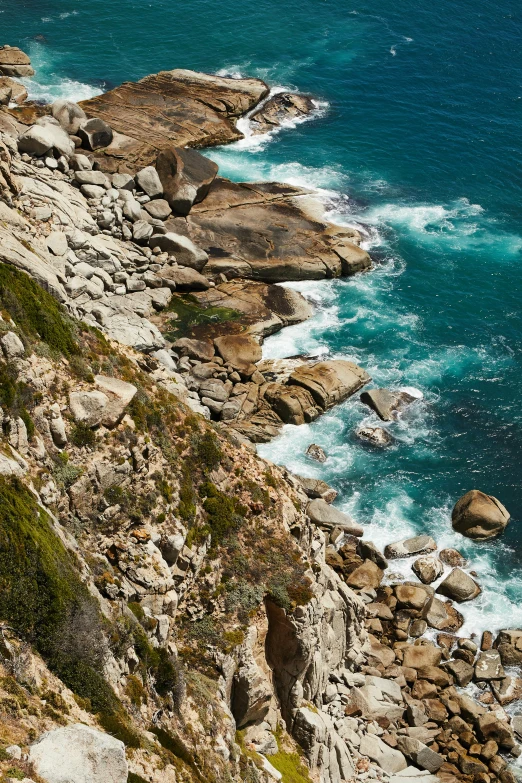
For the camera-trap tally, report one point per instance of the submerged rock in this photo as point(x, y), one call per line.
point(316, 452)
point(479, 516)
point(281, 108)
point(377, 436)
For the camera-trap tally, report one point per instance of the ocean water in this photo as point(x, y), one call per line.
point(416, 140)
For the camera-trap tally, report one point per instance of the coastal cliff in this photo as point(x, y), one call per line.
point(161, 583)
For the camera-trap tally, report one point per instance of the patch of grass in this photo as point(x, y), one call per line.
point(175, 746)
point(190, 314)
point(37, 314)
point(291, 766)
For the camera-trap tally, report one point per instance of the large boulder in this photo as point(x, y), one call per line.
point(179, 107)
point(69, 115)
point(185, 251)
point(238, 350)
point(509, 645)
point(367, 576)
point(330, 382)
point(95, 133)
point(479, 516)
point(195, 349)
point(292, 404)
point(18, 92)
point(79, 754)
point(251, 693)
point(14, 62)
point(106, 406)
point(442, 616)
point(488, 666)
point(317, 488)
point(325, 515)
point(120, 394)
point(418, 656)
point(389, 759)
point(423, 756)
point(12, 346)
point(186, 177)
point(183, 278)
point(412, 595)
point(428, 569)
point(459, 586)
point(40, 139)
point(419, 545)
point(386, 403)
point(147, 179)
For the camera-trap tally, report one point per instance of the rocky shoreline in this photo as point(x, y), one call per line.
point(106, 207)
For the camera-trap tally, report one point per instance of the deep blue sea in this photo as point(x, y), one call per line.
point(417, 140)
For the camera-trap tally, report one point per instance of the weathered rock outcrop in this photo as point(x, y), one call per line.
point(181, 108)
point(262, 232)
point(330, 382)
point(14, 62)
point(284, 107)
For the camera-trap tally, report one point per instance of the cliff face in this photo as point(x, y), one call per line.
point(159, 581)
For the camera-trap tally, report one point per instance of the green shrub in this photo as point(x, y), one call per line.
point(133, 777)
point(43, 598)
point(225, 514)
point(207, 451)
point(64, 472)
point(36, 313)
point(155, 661)
point(82, 435)
point(16, 397)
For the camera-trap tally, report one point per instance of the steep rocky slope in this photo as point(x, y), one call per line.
point(172, 607)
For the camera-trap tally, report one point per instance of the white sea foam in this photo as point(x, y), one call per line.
point(49, 84)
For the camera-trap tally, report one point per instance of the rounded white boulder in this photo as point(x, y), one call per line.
point(79, 754)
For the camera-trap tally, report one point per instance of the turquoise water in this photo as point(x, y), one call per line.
point(417, 141)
